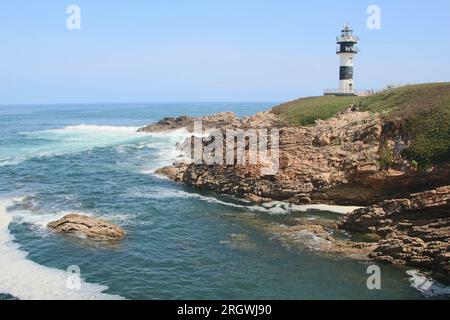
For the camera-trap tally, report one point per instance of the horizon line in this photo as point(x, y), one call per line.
point(131, 102)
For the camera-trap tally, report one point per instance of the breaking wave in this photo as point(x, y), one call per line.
point(427, 286)
point(79, 138)
point(25, 279)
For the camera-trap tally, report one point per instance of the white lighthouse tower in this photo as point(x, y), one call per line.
point(346, 49)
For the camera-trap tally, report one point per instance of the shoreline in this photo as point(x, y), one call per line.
point(25, 279)
point(342, 167)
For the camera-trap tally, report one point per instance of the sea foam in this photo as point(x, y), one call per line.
point(69, 140)
point(273, 207)
point(25, 279)
point(427, 286)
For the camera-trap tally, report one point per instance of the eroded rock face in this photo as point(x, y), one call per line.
point(337, 161)
point(311, 159)
point(92, 228)
point(340, 161)
point(415, 230)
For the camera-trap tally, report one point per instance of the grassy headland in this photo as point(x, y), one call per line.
point(424, 109)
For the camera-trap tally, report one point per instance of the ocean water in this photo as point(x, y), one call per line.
point(180, 244)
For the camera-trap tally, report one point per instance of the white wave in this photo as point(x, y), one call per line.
point(7, 161)
point(80, 138)
point(166, 151)
point(427, 286)
point(155, 151)
point(41, 220)
point(68, 140)
point(274, 207)
point(27, 280)
point(280, 207)
point(304, 237)
point(83, 137)
point(97, 128)
point(163, 193)
point(117, 218)
point(326, 207)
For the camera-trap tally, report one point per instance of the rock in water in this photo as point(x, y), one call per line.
point(415, 230)
point(92, 228)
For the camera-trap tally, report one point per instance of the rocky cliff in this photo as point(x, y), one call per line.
point(337, 161)
point(356, 157)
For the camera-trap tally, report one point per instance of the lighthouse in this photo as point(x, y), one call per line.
point(346, 50)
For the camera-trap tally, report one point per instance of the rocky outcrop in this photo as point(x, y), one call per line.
point(415, 230)
point(221, 120)
point(354, 159)
point(320, 239)
point(337, 161)
point(85, 226)
point(175, 172)
point(186, 122)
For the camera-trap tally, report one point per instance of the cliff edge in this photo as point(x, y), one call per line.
point(344, 150)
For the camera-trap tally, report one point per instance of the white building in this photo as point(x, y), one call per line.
point(346, 49)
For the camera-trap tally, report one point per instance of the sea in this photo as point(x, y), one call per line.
point(181, 243)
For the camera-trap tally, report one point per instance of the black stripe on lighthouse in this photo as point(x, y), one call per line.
point(346, 73)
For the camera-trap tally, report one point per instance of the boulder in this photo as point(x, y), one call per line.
point(90, 227)
point(175, 172)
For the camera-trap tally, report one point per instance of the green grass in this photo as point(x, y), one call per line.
point(423, 109)
point(306, 111)
point(409, 101)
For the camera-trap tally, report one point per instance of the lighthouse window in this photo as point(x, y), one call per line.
point(346, 73)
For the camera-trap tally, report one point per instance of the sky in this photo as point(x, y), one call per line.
point(233, 50)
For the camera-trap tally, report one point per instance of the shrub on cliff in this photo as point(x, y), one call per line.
point(425, 110)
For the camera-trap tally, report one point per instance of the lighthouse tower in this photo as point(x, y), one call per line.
point(346, 49)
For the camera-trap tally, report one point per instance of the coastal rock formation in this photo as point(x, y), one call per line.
point(90, 227)
point(175, 172)
point(353, 158)
point(337, 161)
point(415, 230)
point(221, 120)
point(319, 238)
point(186, 122)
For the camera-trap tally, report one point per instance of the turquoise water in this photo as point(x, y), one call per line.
point(180, 244)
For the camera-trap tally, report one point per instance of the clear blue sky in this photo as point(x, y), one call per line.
point(253, 50)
